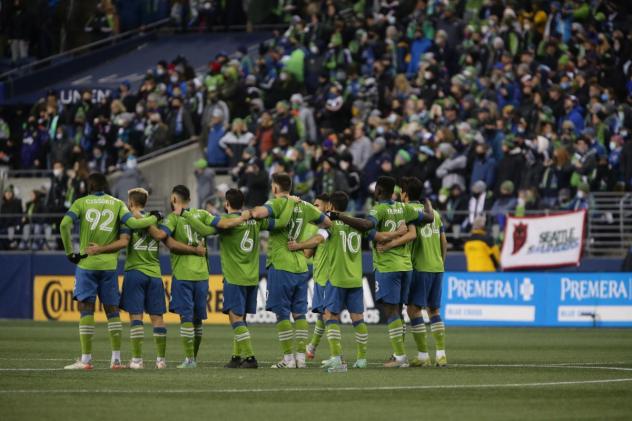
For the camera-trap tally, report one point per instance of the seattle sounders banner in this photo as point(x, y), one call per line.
point(537, 299)
point(543, 241)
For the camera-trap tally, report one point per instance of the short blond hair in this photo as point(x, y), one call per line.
point(138, 196)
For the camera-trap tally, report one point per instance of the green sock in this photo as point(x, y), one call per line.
point(333, 337)
point(160, 339)
point(197, 340)
point(286, 333)
point(319, 329)
point(418, 328)
point(186, 332)
point(242, 338)
point(86, 332)
point(236, 351)
point(362, 338)
point(136, 334)
point(395, 332)
point(438, 332)
point(115, 328)
point(300, 335)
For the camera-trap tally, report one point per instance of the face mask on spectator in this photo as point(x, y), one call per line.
point(613, 146)
point(57, 172)
point(174, 79)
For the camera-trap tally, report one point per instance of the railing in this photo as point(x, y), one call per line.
point(43, 234)
point(27, 68)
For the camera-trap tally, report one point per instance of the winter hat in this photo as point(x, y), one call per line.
point(479, 187)
point(200, 164)
point(507, 187)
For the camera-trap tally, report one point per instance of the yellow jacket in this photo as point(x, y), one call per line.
point(480, 253)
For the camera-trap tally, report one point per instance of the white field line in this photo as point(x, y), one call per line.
point(318, 389)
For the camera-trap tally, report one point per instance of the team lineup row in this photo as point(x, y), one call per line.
point(409, 248)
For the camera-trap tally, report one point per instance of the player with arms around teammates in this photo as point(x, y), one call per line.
point(239, 252)
point(287, 270)
point(428, 259)
point(344, 285)
point(393, 268)
point(100, 217)
point(189, 286)
point(143, 289)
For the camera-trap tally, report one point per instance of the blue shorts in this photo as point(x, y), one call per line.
point(142, 293)
point(240, 299)
point(287, 292)
point(425, 290)
point(392, 287)
point(92, 283)
point(318, 300)
point(188, 299)
point(338, 299)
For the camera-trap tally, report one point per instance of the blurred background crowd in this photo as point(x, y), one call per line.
point(497, 106)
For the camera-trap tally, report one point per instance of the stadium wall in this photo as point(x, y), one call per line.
point(40, 285)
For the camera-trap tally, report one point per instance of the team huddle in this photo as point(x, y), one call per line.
point(409, 248)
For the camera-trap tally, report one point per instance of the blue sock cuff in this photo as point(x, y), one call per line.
point(393, 318)
point(357, 322)
point(301, 317)
point(282, 316)
point(417, 321)
point(197, 322)
point(332, 322)
point(113, 315)
point(237, 324)
point(160, 330)
point(435, 319)
point(186, 319)
point(137, 323)
point(319, 317)
point(86, 313)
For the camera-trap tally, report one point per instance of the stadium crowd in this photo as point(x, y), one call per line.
point(497, 106)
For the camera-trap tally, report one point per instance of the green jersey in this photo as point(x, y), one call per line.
point(345, 256)
point(100, 216)
point(142, 252)
point(387, 216)
point(279, 255)
point(188, 267)
point(321, 269)
point(426, 249)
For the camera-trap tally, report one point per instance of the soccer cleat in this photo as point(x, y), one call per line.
point(136, 365)
point(395, 363)
point(310, 353)
point(78, 365)
point(337, 367)
point(442, 361)
point(421, 363)
point(188, 364)
point(250, 362)
point(361, 363)
point(235, 362)
point(285, 364)
point(300, 361)
point(161, 365)
point(330, 362)
point(117, 365)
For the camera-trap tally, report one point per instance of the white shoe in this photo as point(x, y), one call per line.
point(300, 361)
point(136, 365)
point(161, 365)
point(285, 364)
point(78, 365)
point(117, 365)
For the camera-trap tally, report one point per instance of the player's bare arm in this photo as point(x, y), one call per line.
point(409, 235)
point(310, 243)
point(115, 246)
point(360, 224)
point(386, 236)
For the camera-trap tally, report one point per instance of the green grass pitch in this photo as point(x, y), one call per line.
point(493, 374)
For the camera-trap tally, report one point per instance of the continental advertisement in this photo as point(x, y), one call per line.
point(52, 300)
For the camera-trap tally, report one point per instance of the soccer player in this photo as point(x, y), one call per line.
point(143, 289)
point(239, 249)
point(393, 268)
point(99, 216)
point(344, 287)
point(287, 270)
point(320, 271)
point(189, 287)
point(428, 258)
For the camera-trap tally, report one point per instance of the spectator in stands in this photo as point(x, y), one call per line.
point(205, 178)
point(305, 116)
point(512, 166)
point(264, 137)
point(584, 162)
point(254, 183)
point(236, 141)
point(504, 204)
point(581, 199)
point(56, 198)
point(213, 102)
point(34, 231)
point(19, 32)
point(484, 168)
point(557, 175)
point(156, 134)
point(180, 121)
point(330, 178)
point(34, 144)
point(10, 223)
point(452, 168)
point(481, 254)
point(216, 155)
point(361, 147)
point(60, 148)
point(129, 178)
point(479, 202)
point(104, 22)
